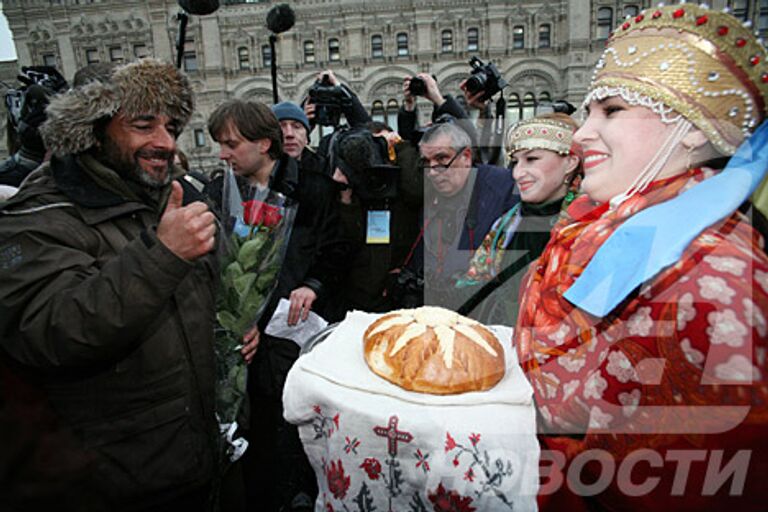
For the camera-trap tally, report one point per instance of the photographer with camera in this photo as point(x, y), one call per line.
point(425, 85)
point(379, 209)
point(26, 112)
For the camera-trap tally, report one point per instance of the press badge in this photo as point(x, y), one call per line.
point(377, 230)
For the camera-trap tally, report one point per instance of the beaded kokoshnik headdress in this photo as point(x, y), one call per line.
point(538, 133)
point(687, 60)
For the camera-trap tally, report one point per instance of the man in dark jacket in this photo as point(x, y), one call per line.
point(106, 306)
point(296, 128)
point(278, 475)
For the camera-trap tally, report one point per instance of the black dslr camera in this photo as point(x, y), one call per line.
point(485, 77)
point(329, 100)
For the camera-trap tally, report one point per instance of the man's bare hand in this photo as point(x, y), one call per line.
point(410, 101)
point(473, 100)
point(188, 231)
point(250, 344)
point(301, 304)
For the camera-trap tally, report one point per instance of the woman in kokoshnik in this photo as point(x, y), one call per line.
point(642, 326)
point(546, 165)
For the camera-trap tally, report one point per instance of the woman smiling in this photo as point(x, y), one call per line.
point(643, 324)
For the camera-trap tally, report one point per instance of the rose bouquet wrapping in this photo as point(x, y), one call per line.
point(256, 225)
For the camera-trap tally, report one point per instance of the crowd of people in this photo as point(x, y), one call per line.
point(623, 249)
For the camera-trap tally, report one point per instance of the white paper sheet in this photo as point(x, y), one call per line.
point(299, 333)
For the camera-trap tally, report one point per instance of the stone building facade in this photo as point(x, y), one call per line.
point(544, 49)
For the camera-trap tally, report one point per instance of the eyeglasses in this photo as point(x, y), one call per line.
point(440, 168)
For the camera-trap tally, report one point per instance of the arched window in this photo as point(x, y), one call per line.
point(447, 41)
point(392, 108)
point(402, 44)
point(762, 17)
point(243, 58)
point(604, 22)
point(309, 51)
point(631, 11)
point(473, 39)
point(266, 56)
point(740, 9)
point(544, 36)
point(518, 37)
point(513, 108)
point(334, 50)
point(377, 112)
point(377, 47)
point(529, 105)
point(544, 96)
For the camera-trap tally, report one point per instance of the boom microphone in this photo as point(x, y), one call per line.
point(199, 7)
point(280, 18)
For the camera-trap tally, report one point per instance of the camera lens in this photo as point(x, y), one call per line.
point(476, 83)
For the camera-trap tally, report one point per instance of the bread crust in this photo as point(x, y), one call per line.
point(413, 349)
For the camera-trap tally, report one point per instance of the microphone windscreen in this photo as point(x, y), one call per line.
point(280, 18)
point(199, 7)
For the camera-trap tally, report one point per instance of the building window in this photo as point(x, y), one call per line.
point(473, 40)
point(266, 55)
point(377, 112)
point(740, 9)
point(447, 41)
point(190, 55)
point(140, 51)
point(377, 47)
point(544, 36)
point(309, 52)
point(392, 108)
point(243, 58)
point(49, 59)
point(334, 50)
point(116, 54)
point(91, 55)
point(762, 17)
point(604, 22)
point(518, 37)
point(513, 108)
point(402, 44)
point(529, 105)
point(631, 11)
point(199, 138)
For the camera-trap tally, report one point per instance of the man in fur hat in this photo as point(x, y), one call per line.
point(106, 303)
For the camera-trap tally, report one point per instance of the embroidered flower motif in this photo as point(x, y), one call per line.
point(317, 409)
point(629, 401)
point(595, 386)
point(640, 323)
point(695, 357)
point(715, 288)
point(726, 264)
point(560, 334)
point(474, 439)
point(351, 445)
point(450, 443)
point(737, 369)
point(685, 311)
point(338, 482)
point(372, 467)
point(620, 367)
point(456, 460)
point(725, 329)
point(449, 501)
point(422, 460)
point(569, 388)
point(762, 279)
point(572, 361)
point(328, 507)
point(598, 418)
point(469, 475)
point(755, 317)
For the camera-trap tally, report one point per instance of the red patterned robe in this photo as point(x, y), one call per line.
point(677, 371)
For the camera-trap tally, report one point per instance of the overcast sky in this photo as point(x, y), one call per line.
point(7, 50)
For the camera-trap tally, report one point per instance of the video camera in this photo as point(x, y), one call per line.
point(39, 82)
point(329, 101)
point(485, 77)
point(364, 159)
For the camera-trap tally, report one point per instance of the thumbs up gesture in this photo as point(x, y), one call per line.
point(188, 231)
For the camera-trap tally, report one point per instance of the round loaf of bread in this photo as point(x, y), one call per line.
point(434, 350)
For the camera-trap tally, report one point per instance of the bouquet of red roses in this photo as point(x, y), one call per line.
point(257, 225)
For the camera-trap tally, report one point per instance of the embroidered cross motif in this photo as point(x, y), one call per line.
point(393, 435)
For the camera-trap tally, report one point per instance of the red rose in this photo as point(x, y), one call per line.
point(372, 467)
point(338, 482)
point(445, 501)
point(257, 213)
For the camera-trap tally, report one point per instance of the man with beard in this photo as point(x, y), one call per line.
point(107, 280)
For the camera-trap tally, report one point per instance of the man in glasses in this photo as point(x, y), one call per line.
point(461, 202)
